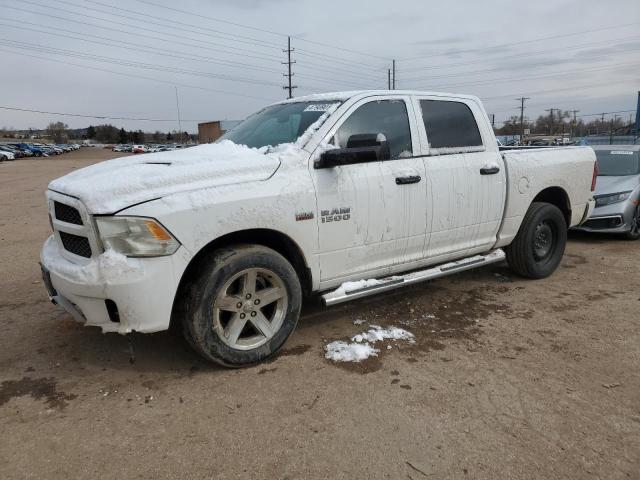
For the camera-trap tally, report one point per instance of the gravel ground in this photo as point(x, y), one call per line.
point(508, 378)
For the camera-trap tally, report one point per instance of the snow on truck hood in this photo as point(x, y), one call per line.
point(116, 184)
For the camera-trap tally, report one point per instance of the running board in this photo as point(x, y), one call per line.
point(341, 294)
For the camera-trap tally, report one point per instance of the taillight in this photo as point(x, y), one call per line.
point(595, 177)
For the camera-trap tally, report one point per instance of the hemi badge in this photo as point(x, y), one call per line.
point(304, 216)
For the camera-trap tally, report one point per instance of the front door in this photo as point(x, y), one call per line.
point(373, 215)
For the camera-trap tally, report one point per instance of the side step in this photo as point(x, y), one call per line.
point(343, 294)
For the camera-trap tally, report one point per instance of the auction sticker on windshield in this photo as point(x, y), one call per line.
point(319, 107)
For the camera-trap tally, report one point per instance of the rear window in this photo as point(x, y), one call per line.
point(617, 163)
point(449, 124)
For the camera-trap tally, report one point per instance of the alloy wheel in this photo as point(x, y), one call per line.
point(250, 308)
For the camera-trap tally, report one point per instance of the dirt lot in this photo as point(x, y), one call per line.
point(508, 378)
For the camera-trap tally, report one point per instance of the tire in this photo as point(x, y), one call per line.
point(2, 158)
point(634, 233)
point(240, 305)
point(539, 245)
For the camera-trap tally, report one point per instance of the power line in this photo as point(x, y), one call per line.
point(141, 48)
point(234, 49)
point(99, 117)
point(127, 63)
point(511, 44)
point(573, 88)
point(166, 53)
point(506, 67)
point(231, 50)
point(500, 80)
point(257, 29)
point(142, 77)
point(527, 54)
point(173, 22)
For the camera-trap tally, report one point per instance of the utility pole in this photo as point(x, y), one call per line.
point(522, 100)
point(389, 78)
point(289, 63)
point(178, 110)
point(575, 122)
point(601, 122)
point(393, 84)
point(638, 117)
point(493, 121)
point(551, 110)
point(611, 132)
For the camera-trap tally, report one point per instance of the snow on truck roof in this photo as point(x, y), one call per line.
point(343, 96)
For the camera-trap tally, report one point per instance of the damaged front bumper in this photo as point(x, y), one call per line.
point(118, 295)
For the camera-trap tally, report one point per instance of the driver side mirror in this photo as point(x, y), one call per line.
point(361, 148)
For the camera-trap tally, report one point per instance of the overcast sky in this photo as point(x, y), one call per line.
point(86, 56)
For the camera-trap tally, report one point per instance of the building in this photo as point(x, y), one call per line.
point(209, 132)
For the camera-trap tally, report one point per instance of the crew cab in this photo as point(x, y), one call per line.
point(342, 195)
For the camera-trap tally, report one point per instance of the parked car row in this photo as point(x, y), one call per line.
point(12, 151)
point(150, 148)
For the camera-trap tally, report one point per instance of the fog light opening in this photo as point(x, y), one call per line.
point(112, 310)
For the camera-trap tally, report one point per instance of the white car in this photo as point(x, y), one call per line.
point(6, 155)
point(337, 194)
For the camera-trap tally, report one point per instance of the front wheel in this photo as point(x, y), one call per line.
point(537, 249)
point(241, 305)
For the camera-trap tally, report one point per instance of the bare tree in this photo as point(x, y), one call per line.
point(58, 132)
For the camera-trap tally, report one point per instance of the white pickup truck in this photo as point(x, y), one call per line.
point(345, 194)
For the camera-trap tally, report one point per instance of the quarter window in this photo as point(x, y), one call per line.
point(449, 124)
point(388, 117)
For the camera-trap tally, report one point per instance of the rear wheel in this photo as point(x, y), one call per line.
point(242, 305)
point(634, 233)
point(539, 245)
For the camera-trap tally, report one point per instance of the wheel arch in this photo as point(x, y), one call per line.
point(556, 196)
point(274, 239)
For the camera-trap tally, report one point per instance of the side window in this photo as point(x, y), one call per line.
point(449, 124)
point(388, 117)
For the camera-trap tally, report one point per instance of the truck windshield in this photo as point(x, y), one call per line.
point(616, 163)
point(278, 124)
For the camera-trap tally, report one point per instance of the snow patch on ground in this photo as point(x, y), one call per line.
point(378, 334)
point(360, 348)
point(341, 351)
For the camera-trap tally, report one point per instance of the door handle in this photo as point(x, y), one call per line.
point(408, 180)
point(489, 170)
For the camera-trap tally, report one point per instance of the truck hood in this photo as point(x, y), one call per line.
point(610, 184)
point(113, 185)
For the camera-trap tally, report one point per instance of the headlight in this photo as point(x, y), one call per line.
point(613, 198)
point(136, 236)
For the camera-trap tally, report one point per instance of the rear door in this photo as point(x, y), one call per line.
point(466, 179)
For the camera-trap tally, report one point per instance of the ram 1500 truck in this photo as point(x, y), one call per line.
point(345, 195)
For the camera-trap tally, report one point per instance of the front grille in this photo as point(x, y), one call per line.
point(76, 244)
point(66, 213)
point(604, 223)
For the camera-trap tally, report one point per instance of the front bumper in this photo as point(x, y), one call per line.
point(614, 218)
point(142, 289)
